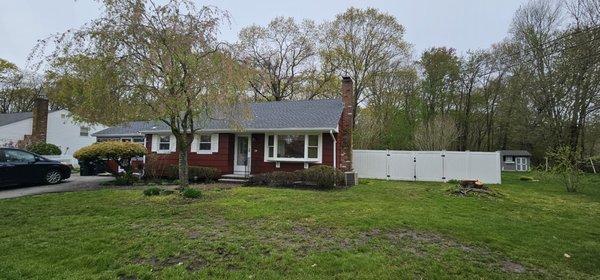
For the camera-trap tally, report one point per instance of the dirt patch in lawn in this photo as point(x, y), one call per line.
point(191, 262)
point(223, 243)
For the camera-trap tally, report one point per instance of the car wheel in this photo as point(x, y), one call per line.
point(53, 177)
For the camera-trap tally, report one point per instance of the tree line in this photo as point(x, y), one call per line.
point(537, 89)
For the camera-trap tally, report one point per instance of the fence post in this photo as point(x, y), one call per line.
point(414, 166)
point(443, 155)
point(387, 164)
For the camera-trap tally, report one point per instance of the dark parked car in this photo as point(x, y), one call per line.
point(22, 167)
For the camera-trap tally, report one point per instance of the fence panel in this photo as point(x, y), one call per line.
point(401, 165)
point(428, 165)
point(373, 163)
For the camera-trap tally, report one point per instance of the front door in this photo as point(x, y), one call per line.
point(241, 159)
point(521, 164)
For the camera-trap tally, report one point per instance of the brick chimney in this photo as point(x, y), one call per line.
point(346, 124)
point(40, 120)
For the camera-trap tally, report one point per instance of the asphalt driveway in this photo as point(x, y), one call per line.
point(75, 183)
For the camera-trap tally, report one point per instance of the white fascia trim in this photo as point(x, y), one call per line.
point(291, 129)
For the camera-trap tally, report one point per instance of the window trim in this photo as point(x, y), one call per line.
point(509, 161)
point(275, 158)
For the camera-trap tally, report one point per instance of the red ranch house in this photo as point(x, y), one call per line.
point(283, 135)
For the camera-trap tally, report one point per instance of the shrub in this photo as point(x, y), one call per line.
point(152, 191)
point(197, 174)
point(120, 152)
point(275, 179)
point(45, 149)
point(566, 164)
point(322, 176)
point(203, 174)
point(191, 193)
point(453, 181)
point(155, 169)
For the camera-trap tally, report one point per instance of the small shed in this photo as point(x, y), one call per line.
point(515, 160)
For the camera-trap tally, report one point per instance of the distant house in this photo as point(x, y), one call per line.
point(515, 160)
point(55, 127)
point(282, 135)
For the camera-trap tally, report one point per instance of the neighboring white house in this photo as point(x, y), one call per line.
point(62, 130)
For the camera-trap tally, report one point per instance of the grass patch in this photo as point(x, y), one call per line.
point(378, 229)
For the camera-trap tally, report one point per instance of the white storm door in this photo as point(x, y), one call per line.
point(241, 158)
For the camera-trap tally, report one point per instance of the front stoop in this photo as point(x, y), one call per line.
point(234, 178)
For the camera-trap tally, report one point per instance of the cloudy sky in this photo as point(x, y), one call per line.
point(461, 24)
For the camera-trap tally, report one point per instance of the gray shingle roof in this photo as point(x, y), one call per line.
point(14, 117)
point(280, 115)
point(521, 153)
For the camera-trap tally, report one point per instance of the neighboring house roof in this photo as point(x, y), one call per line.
point(518, 153)
point(9, 118)
point(126, 129)
point(321, 114)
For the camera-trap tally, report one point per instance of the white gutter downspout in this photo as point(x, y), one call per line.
point(334, 149)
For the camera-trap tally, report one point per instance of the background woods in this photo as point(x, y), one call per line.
point(537, 89)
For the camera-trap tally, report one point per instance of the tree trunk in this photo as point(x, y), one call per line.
point(183, 168)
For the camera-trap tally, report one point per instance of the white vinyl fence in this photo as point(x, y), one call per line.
point(427, 165)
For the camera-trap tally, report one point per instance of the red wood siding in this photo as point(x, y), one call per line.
point(222, 160)
point(258, 156)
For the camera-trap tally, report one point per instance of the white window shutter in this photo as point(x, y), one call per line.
point(173, 143)
point(154, 146)
point(214, 143)
point(194, 148)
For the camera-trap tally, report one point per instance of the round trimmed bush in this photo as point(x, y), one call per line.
point(44, 149)
point(110, 150)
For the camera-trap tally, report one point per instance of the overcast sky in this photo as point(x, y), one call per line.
point(461, 24)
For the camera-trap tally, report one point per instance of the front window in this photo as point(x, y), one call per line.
point(293, 147)
point(509, 159)
point(139, 140)
point(204, 143)
point(313, 146)
point(84, 131)
point(164, 143)
point(271, 145)
point(290, 146)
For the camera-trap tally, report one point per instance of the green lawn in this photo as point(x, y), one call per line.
point(379, 229)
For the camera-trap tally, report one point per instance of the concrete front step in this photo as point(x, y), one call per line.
point(236, 176)
point(233, 181)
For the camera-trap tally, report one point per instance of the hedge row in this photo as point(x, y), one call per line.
point(197, 174)
point(319, 176)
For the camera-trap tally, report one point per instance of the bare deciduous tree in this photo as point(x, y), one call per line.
point(439, 134)
point(362, 43)
point(283, 55)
